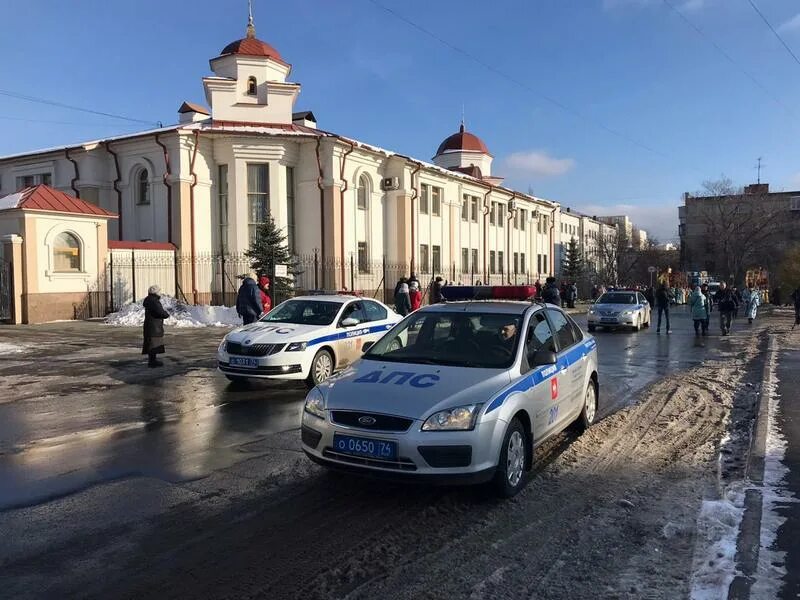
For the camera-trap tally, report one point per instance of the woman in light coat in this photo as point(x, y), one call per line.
point(752, 299)
point(698, 305)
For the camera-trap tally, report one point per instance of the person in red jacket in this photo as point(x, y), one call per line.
point(414, 295)
point(263, 286)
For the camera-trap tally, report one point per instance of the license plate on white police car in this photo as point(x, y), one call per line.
point(237, 361)
point(357, 446)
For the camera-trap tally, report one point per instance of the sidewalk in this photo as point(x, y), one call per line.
point(768, 555)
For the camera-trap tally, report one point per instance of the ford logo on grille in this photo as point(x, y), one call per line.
point(367, 420)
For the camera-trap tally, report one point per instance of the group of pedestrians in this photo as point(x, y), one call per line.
point(728, 303)
point(408, 294)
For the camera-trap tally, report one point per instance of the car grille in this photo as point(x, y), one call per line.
point(254, 350)
point(401, 464)
point(608, 313)
point(381, 422)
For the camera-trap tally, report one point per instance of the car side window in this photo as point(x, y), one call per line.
point(562, 329)
point(354, 310)
point(576, 330)
point(539, 337)
point(375, 312)
point(641, 299)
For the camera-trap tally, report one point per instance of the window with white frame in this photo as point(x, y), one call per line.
point(516, 262)
point(794, 203)
point(436, 201)
point(436, 259)
point(493, 214)
point(465, 209)
point(24, 181)
point(423, 258)
point(522, 268)
point(252, 86)
point(473, 208)
point(474, 260)
point(500, 262)
point(222, 205)
point(501, 215)
point(465, 260)
point(66, 253)
point(257, 197)
point(491, 262)
point(363, 257)
point(362, 192)
point(424, 198)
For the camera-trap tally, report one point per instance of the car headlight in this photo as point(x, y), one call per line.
point(296, 346)
point(628, 313)
point(315, 403)
point(223, 345)
point(460, 418)
point(592, 311)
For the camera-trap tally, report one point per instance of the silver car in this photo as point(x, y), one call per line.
point(620, 308)
point(456, 393)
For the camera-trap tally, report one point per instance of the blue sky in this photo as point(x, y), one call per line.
point(632, 66)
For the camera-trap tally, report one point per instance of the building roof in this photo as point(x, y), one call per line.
point(472, 171)
point(43, 197)
point(188, 107)
point(462, 140)
point(305, 114)
point(250, 46)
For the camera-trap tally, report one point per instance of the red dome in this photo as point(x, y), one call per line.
point(251, 47)
point(462, 140)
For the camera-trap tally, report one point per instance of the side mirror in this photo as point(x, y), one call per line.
point(544, 357)
point(350, 322)
point(367, 346)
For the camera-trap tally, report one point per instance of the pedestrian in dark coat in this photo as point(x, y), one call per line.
point(550, 293)
point(436, 291)
point(154, 315)
point(726, 302)
point(795, 296)
point(402, 300)
point(248, 300)
point(662, 301)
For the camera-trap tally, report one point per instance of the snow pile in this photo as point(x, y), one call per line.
point(6, 348)
point(715, 552)
point(181, 315)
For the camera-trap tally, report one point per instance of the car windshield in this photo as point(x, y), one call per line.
point(487, 341)
point(304, 312)
point(617, 298)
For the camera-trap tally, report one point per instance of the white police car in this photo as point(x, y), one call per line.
point(458, 392)
point(620, 308)
point(308, 337)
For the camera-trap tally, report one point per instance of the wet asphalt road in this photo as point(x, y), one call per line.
point(78, 407)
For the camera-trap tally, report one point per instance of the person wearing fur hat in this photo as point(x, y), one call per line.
point(154, 315)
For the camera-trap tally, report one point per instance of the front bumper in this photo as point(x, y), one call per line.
point(284, 365)
point(454, 457)
point(618, 321)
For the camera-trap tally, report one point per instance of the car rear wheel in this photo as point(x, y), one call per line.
point(589, 410)
point(510, 476)
point(321, 368)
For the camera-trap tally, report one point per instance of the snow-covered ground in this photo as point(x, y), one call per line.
point(6, 348)
point(181, 315)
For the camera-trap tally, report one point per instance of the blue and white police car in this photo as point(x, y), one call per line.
point(456, 393)
point(308, 337)
point(620, 308)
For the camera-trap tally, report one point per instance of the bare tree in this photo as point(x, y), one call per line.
point(740, 228)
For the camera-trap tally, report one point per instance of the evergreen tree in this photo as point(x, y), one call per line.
point(269, 249)
point(572, 266)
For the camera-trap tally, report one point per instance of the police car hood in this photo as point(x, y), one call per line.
point(264, 332)
point(410, 390)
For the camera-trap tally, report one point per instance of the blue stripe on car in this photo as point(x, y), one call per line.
point(348, 334)
point(539, 374)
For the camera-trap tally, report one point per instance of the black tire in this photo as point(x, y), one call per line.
point(504, 484)
point(591, 328)
point(314, 375)
point(588, 417)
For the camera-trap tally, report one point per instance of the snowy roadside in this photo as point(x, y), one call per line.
point(181, 315)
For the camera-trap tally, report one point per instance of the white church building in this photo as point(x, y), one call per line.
point(202, 186)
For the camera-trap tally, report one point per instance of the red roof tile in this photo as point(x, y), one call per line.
point(43, 197)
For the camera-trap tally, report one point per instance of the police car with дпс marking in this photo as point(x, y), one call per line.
point(308, 337)
point(458, 392)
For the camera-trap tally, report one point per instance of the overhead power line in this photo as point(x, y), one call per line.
point(19, 96)
point(522, 84)
point(772, 29)
point(49, 122)
point(728, 57)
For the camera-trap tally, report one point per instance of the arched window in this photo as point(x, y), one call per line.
point(363, 192)
point(251, 86)
point(143, 187)
point(66, 253)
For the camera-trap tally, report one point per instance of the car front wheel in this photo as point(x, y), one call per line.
point(321, 368)
point(589, 410)
point(510, 476)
